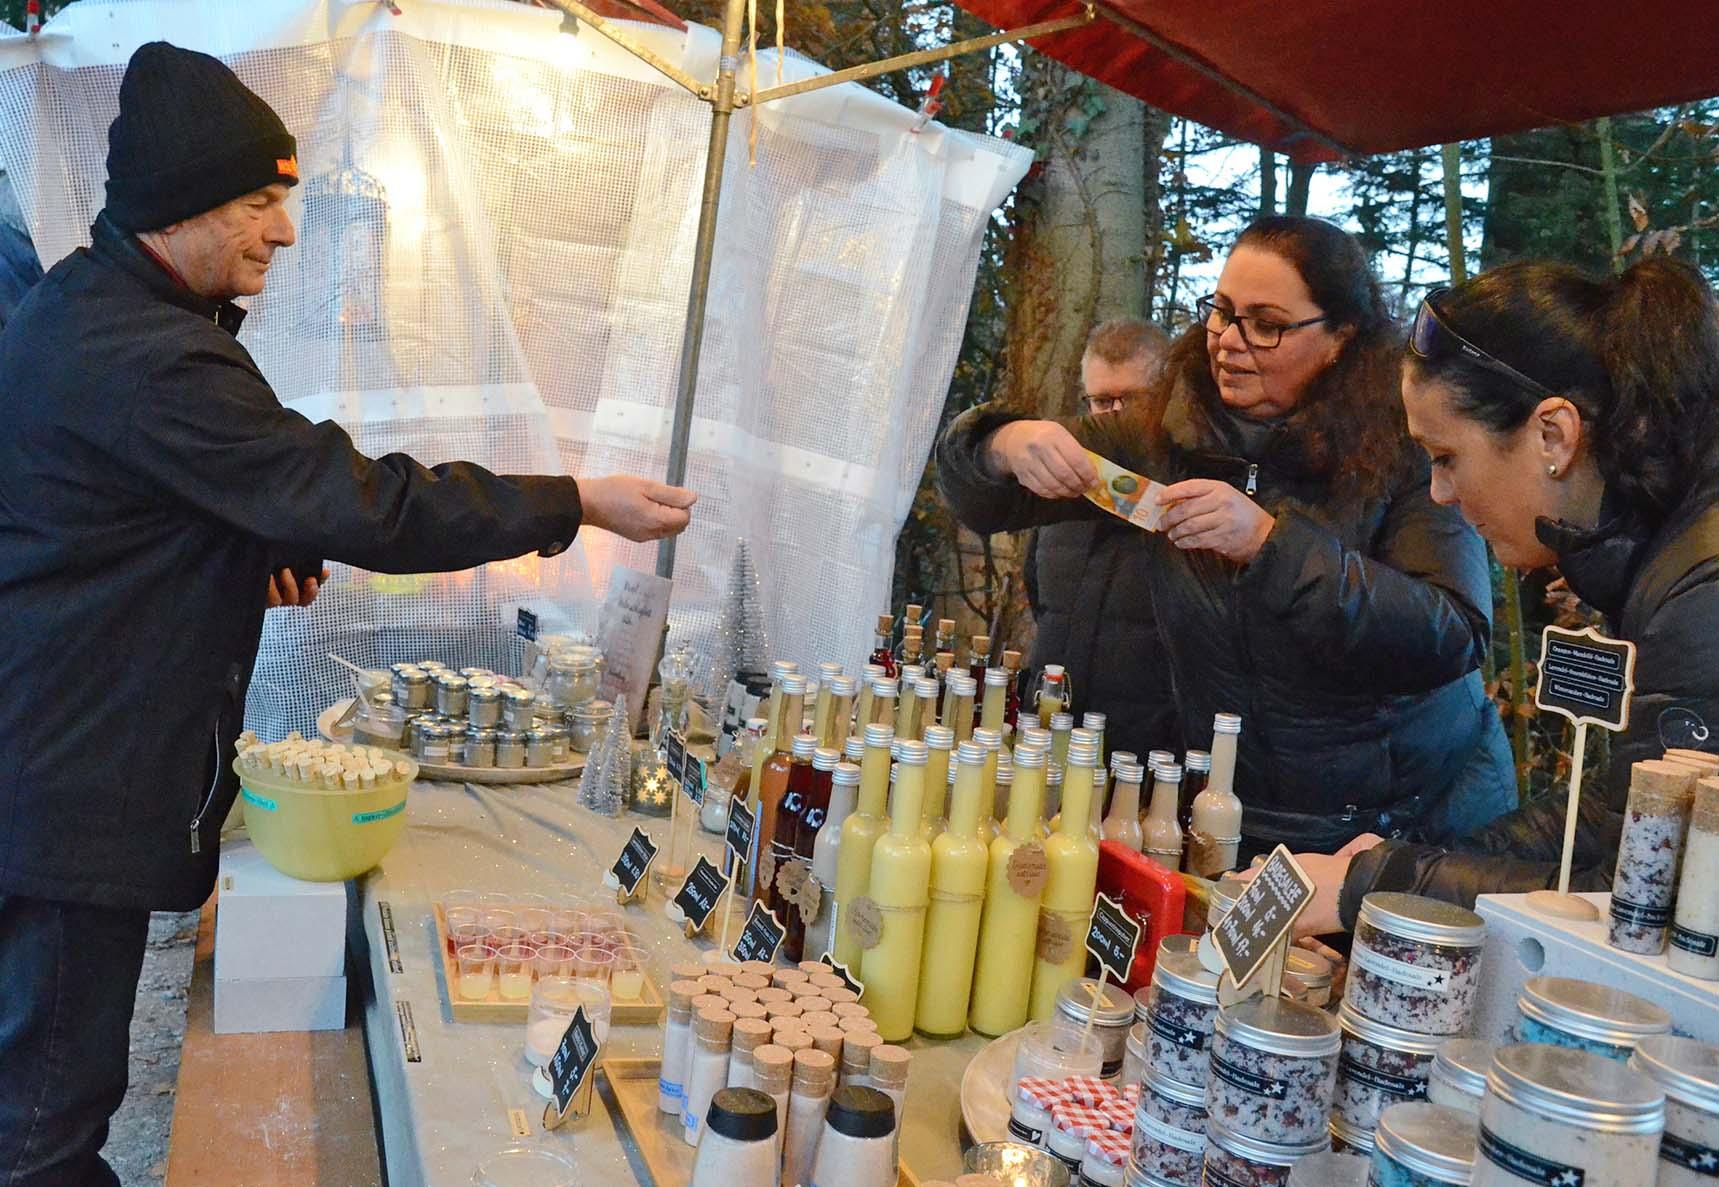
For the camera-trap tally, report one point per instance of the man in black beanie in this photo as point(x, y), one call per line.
point(150, 484)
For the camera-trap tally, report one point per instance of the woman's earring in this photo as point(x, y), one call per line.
point(1552, 471)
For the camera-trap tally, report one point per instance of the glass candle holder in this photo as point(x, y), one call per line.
point(476, 969)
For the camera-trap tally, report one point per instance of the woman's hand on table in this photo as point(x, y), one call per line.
point(1042, 456)
point(1211, 515)
point(1321, 917)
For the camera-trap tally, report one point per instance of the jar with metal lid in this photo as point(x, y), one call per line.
point(435, 745)
point(559, 745)
point(1458, 1076)
point(410, 686)
point(1030, 1102)
point(574, 675)
point(1554, 1115)
point(415, 729)
point(1347, 1139)
point(380, 722)
point(1379, 1066)
point(451, 694)
point(483, 706)
point(1415, 963)
point(1106, 1160)
point(509, 749)
point(457, 733)
point(1134, 1055)
point(587, 724)
point(1170, 1129)
point(539, 749)
point(480, 748)
point(1330, 1170)
point(1274, 1070)
point(1687, 1071)
point(1111, 1016)
point(1423, 1145)
point(517, 706)
point(1315, 974)
point(1236, 1160)
point(1180, 1008)
point(1589, 1017)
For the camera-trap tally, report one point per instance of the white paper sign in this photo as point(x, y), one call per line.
point(628, 631)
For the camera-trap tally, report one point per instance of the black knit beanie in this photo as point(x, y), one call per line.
point(189, 137)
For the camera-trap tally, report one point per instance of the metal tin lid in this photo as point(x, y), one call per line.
point(451, 680)
point(520, 696)
point(485, 693)
point(1181, 942)
point(805, 745)
point(1083, 754)
point(1390, 1038)
point(1313, 970)
point(911, 674)
point(870, 670)
point(1281, 1027)
point(1269, 1153)
point(783, 667)
point(1062, 722)
point(441, 732)
point(410, 675)
point(1430, 1140)
point(509, 737)
point(1577, 1088)
point(828, 670)
point(1686, 1069)
point(554, 731)
point(592, 710)
point(1463, 1063)
point(537, 735)
point(1415, 917)
point(1198, 760)
point(1081, 736)
point(1120, 757)
point(1182, 974)
point(996, 677)
point(825, 759)
point(1591, 1011)
point(879, 735)
point(1227, 723)
point(1182, 1094)
point(939, 737)
point(381, 699)
point(924, 688)
point(1168, 772)
point(961, 686)
point(914, 754)
point(846, 775)
point(1351, 1136)
point(1130, 772)
point(482, 735)
point(1078, 996)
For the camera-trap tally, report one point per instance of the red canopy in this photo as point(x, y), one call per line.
point(1323, 79)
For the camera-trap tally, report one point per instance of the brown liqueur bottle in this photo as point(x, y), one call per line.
point(786, 823)
point(773, 776)
point(813, 813)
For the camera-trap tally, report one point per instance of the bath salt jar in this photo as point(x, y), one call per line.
point(1655, 823)
point(1330, 1170)
point(1554, 1115)
point(1687, 1071)
point(1695, 927)
point(1379, 1066)
point(1031, 1100)
point(1415, 963)
point(1170, 1130)
point(1315, 974)
point(1180, 1009)
point(1347, 1139)
point(1588, 1017)
point(1112, 1016)
point(1072, 1123)
point(1235, 1160)
point(1423, 1145)
point(1274, 1071)
point(1458, 1076)
point(1106, 1161)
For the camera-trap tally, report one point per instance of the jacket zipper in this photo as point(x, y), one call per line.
point(209, 798)
point(1252, 478)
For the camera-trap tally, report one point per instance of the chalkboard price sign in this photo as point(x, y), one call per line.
point(741, 823)
point(1111, 936)
point(692, 779)
point(699, 894)
point(674, 755)
point(1586, 677)
point(573, 1059)
point(635, 860)
point(1263, 915)
point(761, 936)
point(854, 984)
point(527, 625)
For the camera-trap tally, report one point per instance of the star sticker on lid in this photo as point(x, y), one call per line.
point(1567, 1178)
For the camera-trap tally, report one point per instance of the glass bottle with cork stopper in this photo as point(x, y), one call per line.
point(1214, 836)
point(1053, 694)
point(1008, 927)
point(1012, 705)
point(979, 658)
point(860, 832)
point(958, 864)
point(883, 652)
point(900, 877)
point(912, 643)
point(1071, 880)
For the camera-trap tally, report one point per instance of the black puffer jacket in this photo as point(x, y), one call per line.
point(1088, 583)
point(1350, 645)
point(148, 478)
point(1661, 593)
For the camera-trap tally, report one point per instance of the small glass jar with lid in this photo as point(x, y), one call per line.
point(1273, 1070)
point(1563, 1116)
point(575, 673)
point(1111, 1015)
point(587, 724)
point(480, 748)
point(380, 722)
point(539, 749)
point(410, 686)
point(509, 749)
point(1423, 1145)
point(518, 709)
point(451, 694)
point(1415, 963)
point(483, 706)
point(1586, 1016)
point(435, 746)
point(1170, 1129)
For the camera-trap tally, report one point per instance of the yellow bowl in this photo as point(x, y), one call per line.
point(321, 835)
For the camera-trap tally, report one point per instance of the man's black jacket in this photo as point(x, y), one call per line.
point(147, 477)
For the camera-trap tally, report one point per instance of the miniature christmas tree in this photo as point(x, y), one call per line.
point(742, 644)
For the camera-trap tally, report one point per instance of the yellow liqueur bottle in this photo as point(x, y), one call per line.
point(939, 743)
point(996, 700)
point(821, 707)
point(959, 858)
point(900, 880)
point(1008, 926)
point(1071, 879)
point(860, 832)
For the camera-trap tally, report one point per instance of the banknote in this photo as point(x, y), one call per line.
point(1125, 494)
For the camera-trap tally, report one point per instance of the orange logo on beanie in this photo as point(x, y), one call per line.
point(287, 167)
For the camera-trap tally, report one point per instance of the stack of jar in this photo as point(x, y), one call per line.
point(1178, 1014)
point(1414, 974)
point(1087, 1123)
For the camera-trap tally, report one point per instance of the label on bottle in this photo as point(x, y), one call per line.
point(1170, 1135)
point(1028, 870)
point(1703, 1160)
point(1696, 942)
point(1247, 1081)
point(1639, 914)
point(865, 922)
point(1055, 939)
point(1409, 1089)
point(1530, 1168)
point(1403, 973)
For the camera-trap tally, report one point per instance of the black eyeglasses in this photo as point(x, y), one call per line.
point(1258, 332)
point(1433, 336)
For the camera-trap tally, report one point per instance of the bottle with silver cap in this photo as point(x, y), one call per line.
point(1162, 835)
point(1214, 837)
point(1274, 1070)
point(1554, 1115)
point(1458, 1076)
point(1415, 963)
point(1122, 824)
point(1379, 1066)
point(1423, 1145)
point(1588, 1017)
point(1687, 1071)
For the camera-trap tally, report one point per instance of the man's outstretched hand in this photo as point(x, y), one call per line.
point(286, 590)
point(637, 508)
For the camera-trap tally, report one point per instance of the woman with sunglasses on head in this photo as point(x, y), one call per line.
point(1305, 579)
point(1575, 423)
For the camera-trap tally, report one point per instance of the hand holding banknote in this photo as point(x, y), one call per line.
point(1042, 456)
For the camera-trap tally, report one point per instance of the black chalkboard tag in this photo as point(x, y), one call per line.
point(761, 936)
point(674, 755)
point(527, 625)
point(1586, 677)
point(571, 1064)
point(699, 894)
point(1263, 916)
point(692, 779)
point(854, 984)
point(740, 829)
point(635, 861)
point(1112, 934)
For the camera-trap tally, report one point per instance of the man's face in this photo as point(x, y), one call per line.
point(1111, 387)
point(225, 252)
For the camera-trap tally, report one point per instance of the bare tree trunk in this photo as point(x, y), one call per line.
point(1300, 185)
point(1267, 181)
point(1414, 235)
point(1157, 130)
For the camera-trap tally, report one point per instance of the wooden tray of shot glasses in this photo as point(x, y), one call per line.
point(632, 1099)
point(644, 1010)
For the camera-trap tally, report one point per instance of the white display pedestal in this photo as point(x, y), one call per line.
point(280, 948)
point(1522, 943)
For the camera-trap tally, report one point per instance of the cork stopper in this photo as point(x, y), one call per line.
point(774, 993)
point(711, 984)
point(750, 1034)
point(812, 967)
point(827, 1039)
point(773, 1068)
point(687, 970)
point(748, 1010)
point(793, 1038)
point(752, 981)
point(865, 1025)
point(813, 1003)
point(1709, 763)
point(814, 1072)
point(889, 1066)
point(737, 993)
point(857, 1047)
point(724, 968)
point(820, 1020)
point(837, 996)
point(1659, 788)
point(828, 981)
point(714, 1027)
point(1706, 816)
point(787, 978)
point(851, 1009)
point(886, 624)
point(1011, 661)
point(757, 968)
point(681, 994)
point(708, 1001)
point(785, 1009)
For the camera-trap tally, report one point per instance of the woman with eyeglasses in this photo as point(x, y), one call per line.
point(1575, 423)
point(1305, 577)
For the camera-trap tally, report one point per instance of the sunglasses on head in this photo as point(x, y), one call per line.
point(1433, 337)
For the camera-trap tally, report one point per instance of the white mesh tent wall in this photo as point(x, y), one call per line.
point(495, 241)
